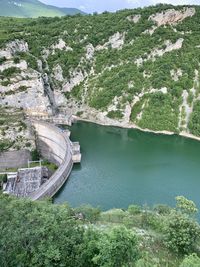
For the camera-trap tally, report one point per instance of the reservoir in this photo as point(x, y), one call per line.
point(120, 167)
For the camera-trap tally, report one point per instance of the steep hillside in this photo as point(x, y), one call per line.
point(32, 8)
point(131, 68)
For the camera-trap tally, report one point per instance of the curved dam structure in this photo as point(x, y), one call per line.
point(54, 144)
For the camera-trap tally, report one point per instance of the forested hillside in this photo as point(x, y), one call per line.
point(32, 9)
point(41, 234)
point(133, 67)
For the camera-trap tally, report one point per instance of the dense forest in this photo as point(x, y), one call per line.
point(123, 59)
point(42, 234)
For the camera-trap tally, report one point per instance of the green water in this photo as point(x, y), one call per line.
point(124, 166)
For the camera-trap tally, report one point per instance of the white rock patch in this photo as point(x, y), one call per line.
point(116, 41)
point(175, 74)
point(58, 73)
point(172, 16)
point(162, 90)
point(13, 47)
point(76, 78)
point(22, 65)
point(61, 45)
point(89, 51)
point(160, 52)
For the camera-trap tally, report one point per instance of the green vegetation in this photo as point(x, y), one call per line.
point(44, 234)
point(194, 124)
point(2, 60)
point(12, 120)
point(191, 261)
point(5, 145)
point(9, 116)
point(163, 109)
point(3, 178)
point(51, 166)
point(127, 74)
point(115, 114)
point(33, 8)
point(36, 157)
point(116, 73)
point(7, 73)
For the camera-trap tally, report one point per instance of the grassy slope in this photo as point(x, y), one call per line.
point(33, 8)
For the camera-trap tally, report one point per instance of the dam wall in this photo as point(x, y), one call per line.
point(14, 159)
point(54, 144)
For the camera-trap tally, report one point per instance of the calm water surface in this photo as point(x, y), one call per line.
point(124, 166)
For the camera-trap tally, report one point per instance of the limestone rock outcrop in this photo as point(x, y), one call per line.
point(13, 47)
point(172, 16)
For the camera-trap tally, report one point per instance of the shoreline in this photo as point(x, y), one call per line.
point(133, 126)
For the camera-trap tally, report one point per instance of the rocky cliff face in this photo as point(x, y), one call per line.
point(172, 16)
point(134, 71)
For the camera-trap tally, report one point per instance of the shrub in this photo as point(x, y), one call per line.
point(2, 60)
point(134, 209)
point(185, 205)
point(16, 60)
point(191, 261)
point(162, 209)
point(117, 248)
point(35, 155)
point(181, 233)
point(91, 214)
point(3, 178)
point(115, 114)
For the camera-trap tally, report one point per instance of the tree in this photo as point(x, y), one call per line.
point(191, 261)
point(181, 233)
point(185, 205)
point(117, 248)
point(39, 234)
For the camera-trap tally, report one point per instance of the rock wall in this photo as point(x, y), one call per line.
point(54, 145)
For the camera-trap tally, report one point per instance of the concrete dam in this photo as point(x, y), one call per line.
point(54, 144)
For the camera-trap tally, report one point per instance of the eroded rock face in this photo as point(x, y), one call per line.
point(58, 73)
point(89, 52)
point(160, 52)
point(169, 47)
point(22, 65)
point(31, 99)
point(76, 78)
point(117, 40)
point(172, 16)
point(61, 45)
point(14, 47)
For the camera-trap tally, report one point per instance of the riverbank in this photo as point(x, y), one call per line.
point(134, 126)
